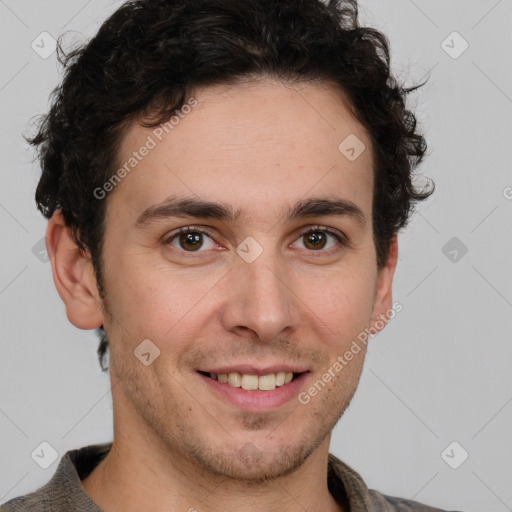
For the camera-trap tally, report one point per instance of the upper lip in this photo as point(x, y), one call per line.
point(249, 369)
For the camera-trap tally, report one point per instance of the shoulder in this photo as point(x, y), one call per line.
point(345, 481)
point(64, 491)
point(41, 500)
point(394, 504)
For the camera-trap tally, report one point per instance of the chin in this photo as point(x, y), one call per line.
point(252, 463)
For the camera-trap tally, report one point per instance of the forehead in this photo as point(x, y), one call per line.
point(256, 145)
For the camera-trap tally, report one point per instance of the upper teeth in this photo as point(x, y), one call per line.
point(253, 382)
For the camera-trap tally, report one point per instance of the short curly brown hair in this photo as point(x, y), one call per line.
point(149, 56)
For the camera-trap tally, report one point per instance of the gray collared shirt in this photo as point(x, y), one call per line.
point(64, 492)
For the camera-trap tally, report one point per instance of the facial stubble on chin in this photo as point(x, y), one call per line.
point(269, 467)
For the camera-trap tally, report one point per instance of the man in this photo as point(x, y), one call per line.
point(225, 181)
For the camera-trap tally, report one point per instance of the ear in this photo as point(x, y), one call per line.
point(73, 275)
point(383, 293)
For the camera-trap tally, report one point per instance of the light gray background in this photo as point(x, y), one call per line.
point(440, 372)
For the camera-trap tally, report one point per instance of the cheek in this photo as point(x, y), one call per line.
point(151, 300)
point(342, 303)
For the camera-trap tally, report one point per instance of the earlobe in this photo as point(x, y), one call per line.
point(73, 275)
point(384, 295)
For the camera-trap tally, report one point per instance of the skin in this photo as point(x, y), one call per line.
point(260, 147)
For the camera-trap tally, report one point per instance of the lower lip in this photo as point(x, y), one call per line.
point(257, 401)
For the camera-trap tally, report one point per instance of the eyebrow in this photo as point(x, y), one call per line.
point(202, 209)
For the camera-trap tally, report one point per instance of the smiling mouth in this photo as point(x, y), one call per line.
point(253, 382)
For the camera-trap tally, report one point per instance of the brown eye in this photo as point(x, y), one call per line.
point(315, 240)
point(319, 240)
point(191, 240)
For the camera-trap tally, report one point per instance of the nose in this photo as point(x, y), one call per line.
point(260, 299)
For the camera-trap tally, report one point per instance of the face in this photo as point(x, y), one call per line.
point(277, 274)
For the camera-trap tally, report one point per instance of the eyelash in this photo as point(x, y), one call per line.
point(341, 238)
